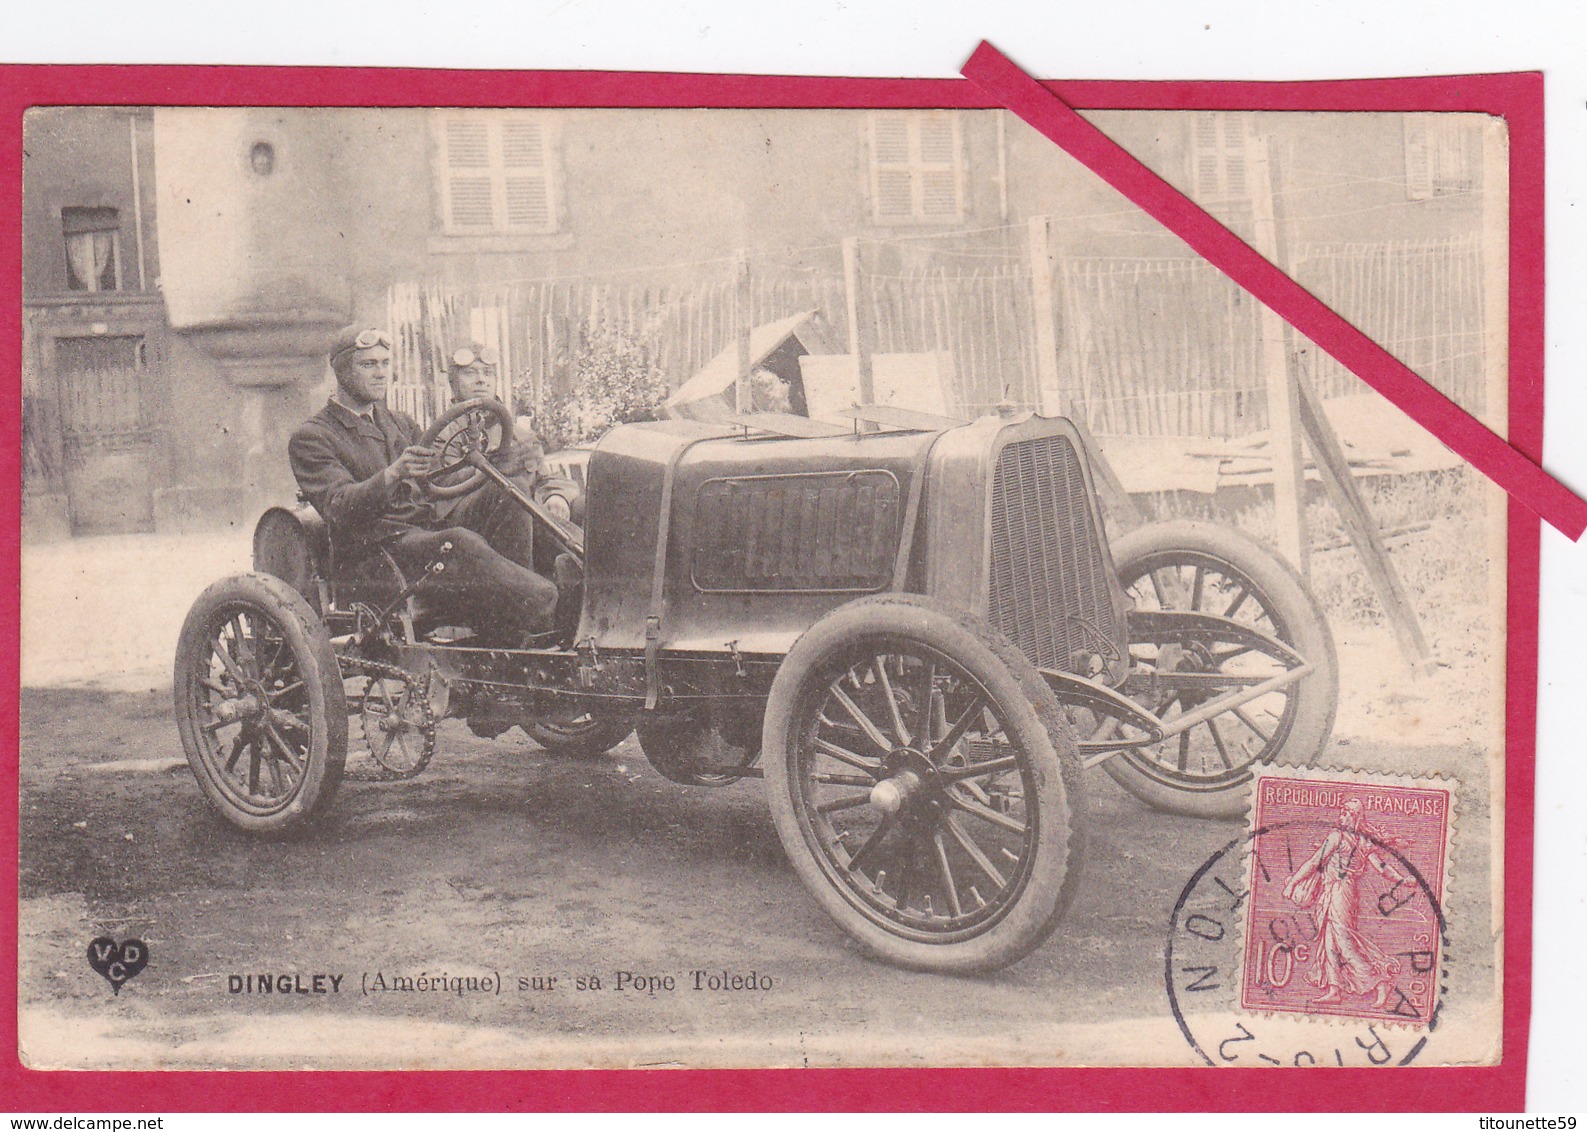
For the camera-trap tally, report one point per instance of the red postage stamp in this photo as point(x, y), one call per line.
point(1345, 914)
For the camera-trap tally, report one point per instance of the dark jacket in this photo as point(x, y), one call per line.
point(339, 458)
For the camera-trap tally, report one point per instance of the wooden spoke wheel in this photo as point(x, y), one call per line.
point(1204, 568)
point(924, 784)
point(259, 704)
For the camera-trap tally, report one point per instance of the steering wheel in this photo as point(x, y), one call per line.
point(452, 475)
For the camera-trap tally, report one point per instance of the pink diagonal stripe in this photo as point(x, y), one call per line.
point(994, 73)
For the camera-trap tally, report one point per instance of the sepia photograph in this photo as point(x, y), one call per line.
point(513, 588)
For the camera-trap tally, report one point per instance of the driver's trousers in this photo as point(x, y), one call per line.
point(488, 582)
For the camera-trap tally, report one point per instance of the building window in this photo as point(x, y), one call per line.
point(92, 258)
point(495, 172)
point(1443, 153)
point(917, 174)
point(1218, 161)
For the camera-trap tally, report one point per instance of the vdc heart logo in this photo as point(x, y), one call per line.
point(118, 962)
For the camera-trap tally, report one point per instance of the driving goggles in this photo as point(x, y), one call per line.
point(365, 340)
point(467, 357)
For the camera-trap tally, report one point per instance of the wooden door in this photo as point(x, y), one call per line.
point(108, 441)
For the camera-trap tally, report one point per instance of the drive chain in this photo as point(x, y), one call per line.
point(378, 670)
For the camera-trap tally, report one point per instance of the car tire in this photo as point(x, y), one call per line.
point(256, 676)
point(1274, 600)
point(683, 747)
point(906, 882)
point(578, 734)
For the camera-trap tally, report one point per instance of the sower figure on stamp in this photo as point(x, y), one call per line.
point(1330, 881)
point(360, 463)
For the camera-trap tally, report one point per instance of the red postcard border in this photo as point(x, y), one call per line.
point(1517, 97)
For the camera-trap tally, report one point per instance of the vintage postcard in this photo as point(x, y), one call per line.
point(571, 587)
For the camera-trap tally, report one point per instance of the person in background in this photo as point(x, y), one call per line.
point(771, 393)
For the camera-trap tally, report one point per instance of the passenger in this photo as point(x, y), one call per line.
point(471, 372)
point(359, 463)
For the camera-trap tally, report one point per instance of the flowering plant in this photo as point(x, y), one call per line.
point(613, 383)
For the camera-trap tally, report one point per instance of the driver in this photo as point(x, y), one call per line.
point(360, 464)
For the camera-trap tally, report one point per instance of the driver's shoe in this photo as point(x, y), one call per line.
point(569, 577)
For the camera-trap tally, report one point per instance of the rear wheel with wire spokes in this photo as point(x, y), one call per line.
point(924, 784)
point(1205, 568)
point(259, 704)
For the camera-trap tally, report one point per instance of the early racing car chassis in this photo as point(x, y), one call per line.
point(914, 628)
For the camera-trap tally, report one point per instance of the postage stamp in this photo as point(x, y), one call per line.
point(1332, 931)
point(1347, 881)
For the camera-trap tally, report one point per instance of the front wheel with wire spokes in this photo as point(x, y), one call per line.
point(924, 784)
point(1196, 567)
point(259, 704)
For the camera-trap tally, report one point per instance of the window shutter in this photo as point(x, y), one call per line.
point(894, 198)
point(467, 144)
point(915, 172)
point(467, 175)
point(939, 172)
point(936, 141)
point(528, 189)
point(939, 194)
point(522, 144)
point(1218, 165)
point(471, 203)
point(528, 203)
point(1234, 183)
point(890, 139)
point(892, 187)
point(1418, 159)
point(1443, 155)
point(495, 172)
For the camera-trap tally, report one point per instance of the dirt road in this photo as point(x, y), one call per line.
point(504, 861)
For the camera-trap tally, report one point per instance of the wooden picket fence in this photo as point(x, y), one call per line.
point(1421, 300)
point(982, 317)
point(1164, 346)
point(1154, 347)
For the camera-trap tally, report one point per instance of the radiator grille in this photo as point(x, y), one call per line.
point(834, 531)
point(1049, 590)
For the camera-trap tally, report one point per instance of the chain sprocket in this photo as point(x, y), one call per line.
point(398, 722)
